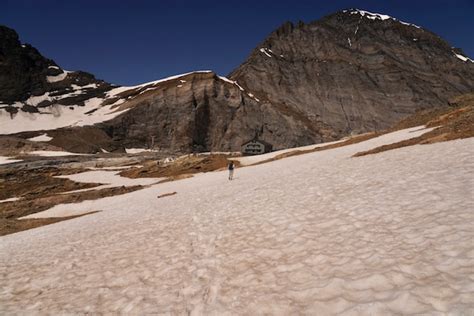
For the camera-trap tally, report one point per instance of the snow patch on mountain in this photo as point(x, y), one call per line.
point(463, 58)
point(50, 153)
point(239, 86)
point(137, 150)
point(377, 16)
point(266, 51)
point(13, 199)
point(147, 86)
point(6, 160)
point(57, 115)
point(41, 138)
point(56, 78)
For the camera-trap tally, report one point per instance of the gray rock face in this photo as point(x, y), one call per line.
point(202, 112)
point(354, 72)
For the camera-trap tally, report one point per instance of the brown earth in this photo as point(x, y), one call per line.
point(184, 166)
point(10, 226)
point(30, 184)
point(12, 146)
point(452, 123)
point(85, 140)
point(40, 190)
point(297, 152)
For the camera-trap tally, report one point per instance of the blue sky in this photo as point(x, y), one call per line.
point(130, 42)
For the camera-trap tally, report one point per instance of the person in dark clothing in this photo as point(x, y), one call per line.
point(231, 170)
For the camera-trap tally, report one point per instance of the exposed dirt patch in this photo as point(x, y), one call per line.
point(184, 166)
point(12, 146)
point(86, 139)
point(10, 226)
point(350, 141)
point(34, 183)
point(40, 190)
point(455, 123)
point(420, 118)
point(11, 211)
point(175, 178)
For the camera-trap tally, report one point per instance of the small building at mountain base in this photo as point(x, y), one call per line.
point(256, 147)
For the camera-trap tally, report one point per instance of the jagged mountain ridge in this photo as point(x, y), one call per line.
point(25, 73)
point(349, 72)
point(355, 71)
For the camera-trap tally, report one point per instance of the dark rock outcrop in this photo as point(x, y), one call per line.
point(24, 72)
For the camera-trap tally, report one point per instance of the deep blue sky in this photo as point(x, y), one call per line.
point(130, 42)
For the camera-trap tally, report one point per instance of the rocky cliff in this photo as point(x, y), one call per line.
point(199, 112)
point(355, 71)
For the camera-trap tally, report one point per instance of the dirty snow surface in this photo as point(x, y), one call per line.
point(49, 153)
point(108, 179)
point(321, 233)
point(41, 138)
point(6, 160)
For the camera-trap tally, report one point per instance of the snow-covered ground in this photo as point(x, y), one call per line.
point(137, 150)
point(320, 233)
point(4, 160)
point(50, 153)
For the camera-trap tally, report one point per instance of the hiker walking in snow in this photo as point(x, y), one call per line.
point(231, 170)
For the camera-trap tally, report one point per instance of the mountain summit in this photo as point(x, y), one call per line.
point(354, 71)
point(350, 72)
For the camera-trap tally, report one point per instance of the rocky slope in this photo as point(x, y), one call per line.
point(355, 71)
point(200, 111)
point(347, 73)
point(29, 81)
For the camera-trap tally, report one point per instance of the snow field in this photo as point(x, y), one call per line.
point(321, 233)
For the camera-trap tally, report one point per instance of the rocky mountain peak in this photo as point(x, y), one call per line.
point(355, 71)
point(25, 73)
